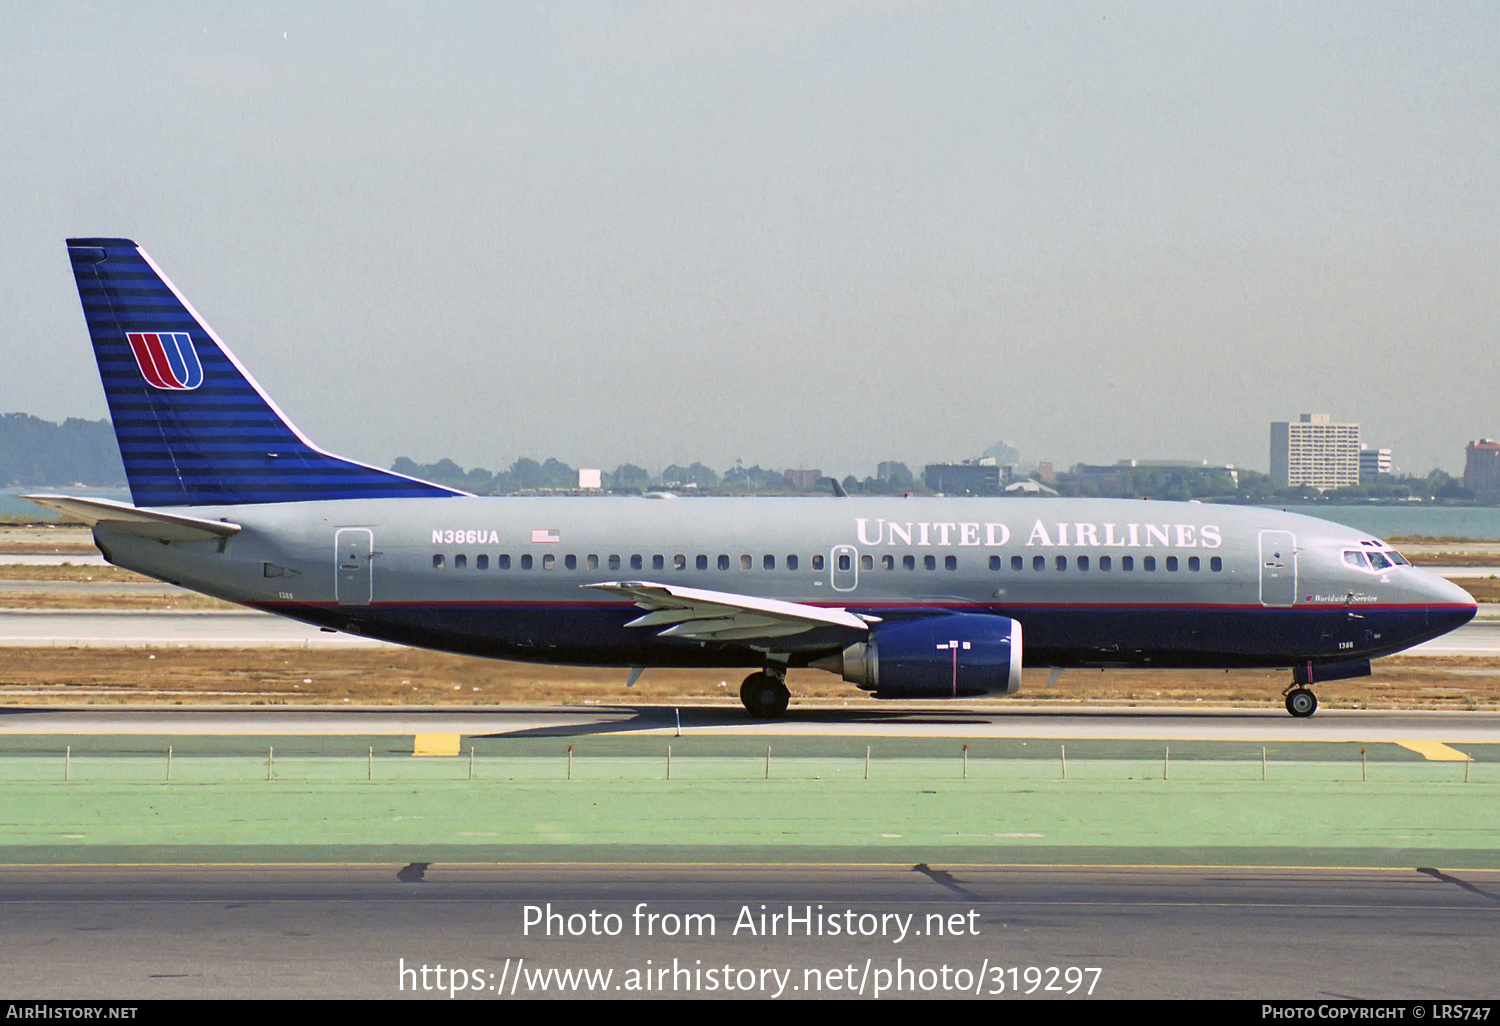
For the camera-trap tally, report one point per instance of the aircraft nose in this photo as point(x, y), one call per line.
point(1448, 606)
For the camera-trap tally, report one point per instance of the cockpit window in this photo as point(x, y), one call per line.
point(1397, 558)
point(1379, 562)
point(1356, 559)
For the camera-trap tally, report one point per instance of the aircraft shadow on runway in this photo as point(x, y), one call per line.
point(630, 719)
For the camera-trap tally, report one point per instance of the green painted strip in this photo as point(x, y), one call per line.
point(981, 819)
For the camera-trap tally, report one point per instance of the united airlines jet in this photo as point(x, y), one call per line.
point(906, 598)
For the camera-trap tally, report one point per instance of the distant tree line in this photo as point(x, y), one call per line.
point(527, 475)
point(38, 453)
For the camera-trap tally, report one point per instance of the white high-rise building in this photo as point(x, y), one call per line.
point(1314, 451)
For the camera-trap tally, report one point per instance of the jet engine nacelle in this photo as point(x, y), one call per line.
point(955, 656)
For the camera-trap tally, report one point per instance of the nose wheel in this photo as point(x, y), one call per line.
point(1301, 702)
point(765, 695)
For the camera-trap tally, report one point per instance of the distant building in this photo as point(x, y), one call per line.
point(1482, 469)
point(590, 479)
point(1373, 463)
point(1315, 452)
point(803, 480)
point(1045, 472)
point(971, 477)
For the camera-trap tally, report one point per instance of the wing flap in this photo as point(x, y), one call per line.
point(699, 614)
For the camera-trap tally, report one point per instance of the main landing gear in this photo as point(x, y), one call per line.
point(765, 694)
point(1301, 702)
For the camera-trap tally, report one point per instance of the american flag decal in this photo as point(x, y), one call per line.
point(167, 359)
point(545, 535)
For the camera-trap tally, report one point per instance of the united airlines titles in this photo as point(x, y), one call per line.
point(1074, 535)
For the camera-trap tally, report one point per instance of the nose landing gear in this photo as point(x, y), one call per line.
point(765, 694)
point(1300, 701)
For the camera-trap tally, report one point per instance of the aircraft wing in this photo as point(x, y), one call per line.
point(698, 614)
point(146, 522)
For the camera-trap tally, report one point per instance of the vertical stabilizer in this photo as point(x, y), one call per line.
point(194, 427)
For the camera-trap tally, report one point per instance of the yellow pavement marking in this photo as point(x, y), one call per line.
point(1435, 751)
point(435, 744)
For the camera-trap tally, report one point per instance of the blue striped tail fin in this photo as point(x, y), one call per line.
point(194, 427)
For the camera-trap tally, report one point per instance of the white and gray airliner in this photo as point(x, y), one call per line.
point(904, 597)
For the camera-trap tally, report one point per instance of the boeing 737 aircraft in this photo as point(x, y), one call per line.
point(906, 598)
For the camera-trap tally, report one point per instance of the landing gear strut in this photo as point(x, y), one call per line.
point(1301, 702)
point(765, 695)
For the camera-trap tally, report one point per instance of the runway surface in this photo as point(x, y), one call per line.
point(997, 720)
point(249, 629)
point(347, 931)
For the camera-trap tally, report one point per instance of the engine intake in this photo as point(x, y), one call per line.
point(954, 656)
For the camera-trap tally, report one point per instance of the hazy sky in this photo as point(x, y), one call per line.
point(804, 234)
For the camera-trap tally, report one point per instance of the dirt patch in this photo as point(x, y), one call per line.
point(414, 677)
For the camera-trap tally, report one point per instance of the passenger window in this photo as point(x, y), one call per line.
point(635, 562)
point(843, 561)
point(1017, 563)
point(1038, 563)
point(502, 561)
point(1061, 562)
point(867, 562)
point(723, 562)
point(526, 561)
point(658, 562)
point(701, 562)
point(791, 562)
point(679, 562)
point(1127, 563)
point(549, 562)
point(817, 562)
point(1172, 564)
point(437, 562)
point(1379, 562)
point(950, 562)
point(570, 561)
point(929, 562)
point(1216, 564)
point(1083, 562)
point(460, 561)
point(745, 562)
point(1105, 563)
point(1193, 564)
point(614, 562)
point(1148, 563)
point(908, 562)
point(888, 562)
point(768, 563)
point(994, 562)
point(481, 562)
point(593, 562)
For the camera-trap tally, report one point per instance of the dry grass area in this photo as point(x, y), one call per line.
point(413, 677)
point(71, 572)
point(179, 600)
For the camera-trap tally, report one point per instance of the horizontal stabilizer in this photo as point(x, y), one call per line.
point(145, 522)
